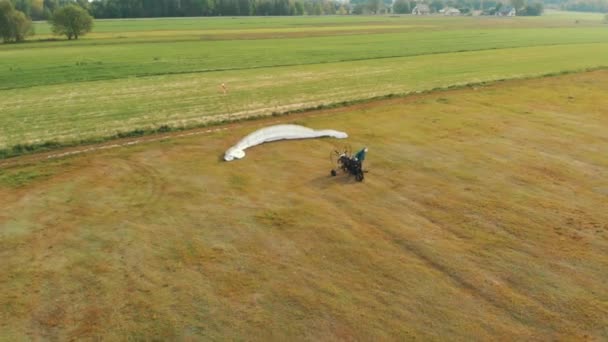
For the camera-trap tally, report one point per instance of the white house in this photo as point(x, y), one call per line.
point(421, 9)
point(507, 11)
point(450, 11)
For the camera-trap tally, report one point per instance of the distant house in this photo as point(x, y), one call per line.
point(421, 9)
point(449, 11)
point(506, 11)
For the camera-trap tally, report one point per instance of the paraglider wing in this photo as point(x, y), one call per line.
point(278, 132)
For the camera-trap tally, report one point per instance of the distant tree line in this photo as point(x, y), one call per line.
point(600, 6)
point(370, 6)
point(586, 6)
point(465, 6)
point(195, 8)
point(488, 7)
point(43, 9)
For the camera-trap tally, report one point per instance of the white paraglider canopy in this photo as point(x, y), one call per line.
point(278, 132)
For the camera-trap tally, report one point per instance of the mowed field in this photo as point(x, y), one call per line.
point(483, 217)
point(145, 75)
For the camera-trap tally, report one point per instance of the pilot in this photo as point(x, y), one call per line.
point(360, 156)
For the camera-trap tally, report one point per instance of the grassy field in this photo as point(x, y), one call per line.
point(165, 72)
point(482, 218)
point(21, 65)
point(65, 112)
point(483, 215)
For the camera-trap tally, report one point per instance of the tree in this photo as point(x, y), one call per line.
point(37, 9)
point(359, 9)
point(402, 6)
point(6, 8)
point(436, 5)
point(518, 5)
point(22, 26)
point(534, 9)
point(374, 6)
point(22, 5)
point(72, 21)
point(14, 24)
point(299, 8)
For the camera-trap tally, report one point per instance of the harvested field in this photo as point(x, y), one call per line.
point(483, 217)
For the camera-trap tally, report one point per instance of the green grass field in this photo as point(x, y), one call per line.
point(483, 217)
point(22, 67)
point(143, 74)
point(64, 112)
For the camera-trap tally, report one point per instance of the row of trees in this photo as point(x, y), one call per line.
point(193, 8)
point(177, 8)
point(600, 6)
point(43, 9)
point(488, 7)
point(586, 5)
point(406, 6)
point(70, 20)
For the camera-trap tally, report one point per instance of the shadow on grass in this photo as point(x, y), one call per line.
point(327, 181)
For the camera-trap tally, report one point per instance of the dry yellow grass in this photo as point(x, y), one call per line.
point(483, 217)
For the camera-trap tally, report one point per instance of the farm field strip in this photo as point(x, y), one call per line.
point(63, 113)
point(26, 65)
